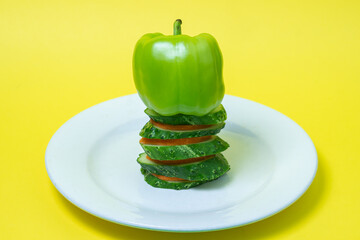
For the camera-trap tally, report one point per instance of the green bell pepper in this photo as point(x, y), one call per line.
point(178, 73)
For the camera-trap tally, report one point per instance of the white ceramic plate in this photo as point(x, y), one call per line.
point(91, 160)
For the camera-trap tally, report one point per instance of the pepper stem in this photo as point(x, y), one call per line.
point(177, 27)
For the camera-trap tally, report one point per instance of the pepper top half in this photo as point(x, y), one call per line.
point(179, 74)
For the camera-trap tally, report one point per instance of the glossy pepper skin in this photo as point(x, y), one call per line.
point(178, 73)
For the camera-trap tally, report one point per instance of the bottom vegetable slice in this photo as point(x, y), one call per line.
point(205, 170)
point(176, 185)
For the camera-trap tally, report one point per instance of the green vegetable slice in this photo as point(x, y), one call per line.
point(177, 185)
point(218, 115)
point(205, 170)
point(177, 152)
point(152, 131)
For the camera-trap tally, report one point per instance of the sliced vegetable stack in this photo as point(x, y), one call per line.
point(180, 154)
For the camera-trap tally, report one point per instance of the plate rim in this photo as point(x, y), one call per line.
point(164, 229)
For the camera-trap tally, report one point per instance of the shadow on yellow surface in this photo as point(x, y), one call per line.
point(302, 209)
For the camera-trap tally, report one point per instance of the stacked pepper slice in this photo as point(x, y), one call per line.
point(183, 151)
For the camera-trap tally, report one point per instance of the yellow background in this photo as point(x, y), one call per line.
point(58, 58)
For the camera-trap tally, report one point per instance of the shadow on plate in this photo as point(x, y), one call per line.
point(304, 208)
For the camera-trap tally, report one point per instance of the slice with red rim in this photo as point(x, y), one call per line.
point(181, 161)
point(206, 169)
point(178, 127)
point(173, 142)
point(154, 130)
point(172, 179)
point(218, 115)
point(176, 185)
point(211, 146)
